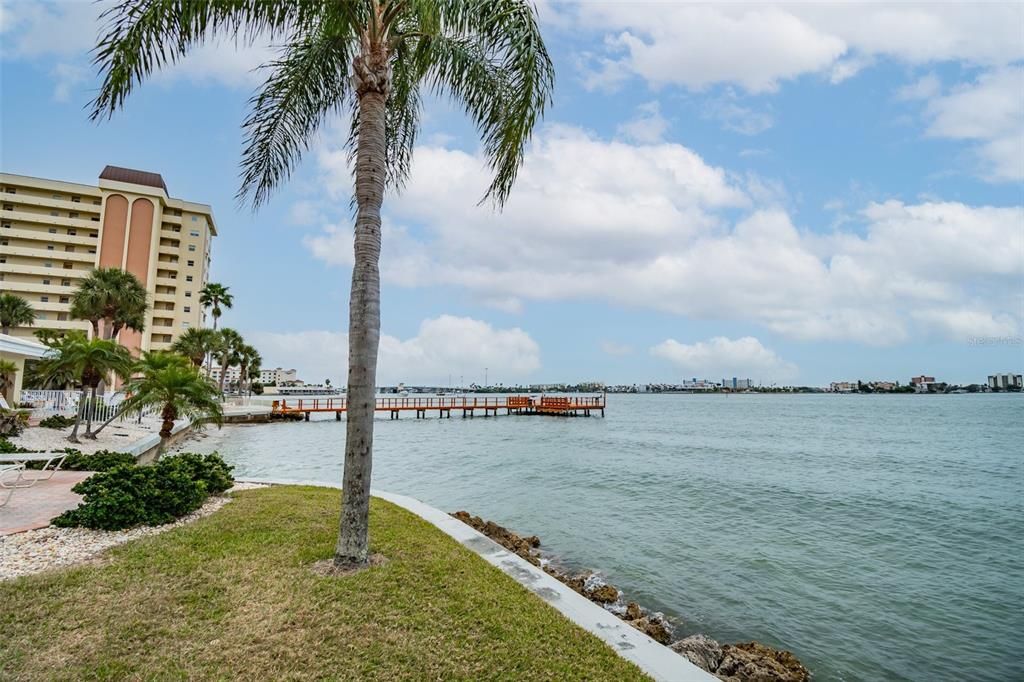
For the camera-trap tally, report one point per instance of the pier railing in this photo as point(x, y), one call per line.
point(514, 404)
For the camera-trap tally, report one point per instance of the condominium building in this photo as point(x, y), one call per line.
point(278, 376)
point(54, 233)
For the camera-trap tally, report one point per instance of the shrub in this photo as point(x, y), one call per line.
point(127, 495)
point(7, 447)
point(12, 422)
point(57, 421)
point(210, 469)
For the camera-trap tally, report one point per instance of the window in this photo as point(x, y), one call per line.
point(188, 294)
point(184, 325)
point(49, 247)
point(188, 278)
point(95, 219)
point(3, 259)
point(69, 249)
point(65, 282)
point(44, 299)
point(94, 234)
point(6, 224)
point(96, 202)
point(57, 196)
point(40, 316)
point(54, 213)
point(46, 282)
point(72, 214)
point(47, 264)
point(76, 199)
point(195, 219)
point(52, 230)
point(62, 317)
point(3, 242)
point(191, 263)
point(67, 265)
point(191, 247)
point(72, 233)
point(65, 299)
point(188, 309)
point(92, 250)
point(11, 190)
point(8, 207)
point(194, 233)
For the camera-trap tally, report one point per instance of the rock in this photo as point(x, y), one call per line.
point(655, 627)
point(701, 650)
point(522, 547)
point(605, 594)
point(755, 662)
point(633, 611)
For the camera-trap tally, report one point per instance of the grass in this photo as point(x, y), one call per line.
point(233, 596)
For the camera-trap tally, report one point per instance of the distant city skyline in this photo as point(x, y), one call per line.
point(795, 211)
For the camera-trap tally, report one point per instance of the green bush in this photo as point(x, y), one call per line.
point(101, 460)
point(128, 495)
point(57, 421)
point(210, 469)
point(7, 447)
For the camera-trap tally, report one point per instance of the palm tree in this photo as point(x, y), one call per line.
point(228, 351)
point(195, 343)
point(8, 373)
point(88, 360)
point(249, 360)
point(15, 312)
point(179, 391)
point(374, 60)
point(148, 363)
point(213, 296)
point(113, 295)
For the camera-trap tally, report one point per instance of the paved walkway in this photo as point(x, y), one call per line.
point(33, 507)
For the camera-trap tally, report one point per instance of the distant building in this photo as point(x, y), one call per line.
point(698, 385)
point(277, 376)
point(737, 384)
point(1003, 382)
point(843, 387)
point(883, 385)
point(917, 381)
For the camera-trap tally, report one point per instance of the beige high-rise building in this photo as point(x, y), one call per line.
point(53, 233)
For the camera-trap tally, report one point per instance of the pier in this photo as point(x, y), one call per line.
point(561, 406)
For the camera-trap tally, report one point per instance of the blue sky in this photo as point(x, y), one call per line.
point(795, 193)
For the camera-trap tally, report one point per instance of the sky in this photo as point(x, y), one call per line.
point(795, 194)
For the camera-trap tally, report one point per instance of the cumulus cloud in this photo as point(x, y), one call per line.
point(757, 45)
point(443, 346)
point(989, 111)
point(647, 126)
point(655, 226)
point(720, 357)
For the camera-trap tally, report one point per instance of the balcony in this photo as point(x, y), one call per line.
point(49, 237)
point(54, 255)
point(56, 273)
point(47, 219)
point(36, 288)
point(84, 206)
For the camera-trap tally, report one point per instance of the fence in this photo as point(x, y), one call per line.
point(46, 403)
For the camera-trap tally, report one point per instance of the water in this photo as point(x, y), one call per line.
point(877, 537)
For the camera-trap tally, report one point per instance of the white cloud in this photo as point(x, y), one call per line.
point(720, 357)
point(443, 346)
point(616, 349)
point(647, 126)
point(758, 45)
point(652, 226)
point(923, 88)
point(736, 117)
point(67, 77)
point(989, 111)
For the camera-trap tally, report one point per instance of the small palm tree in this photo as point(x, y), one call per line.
point(374, 60)
point(213, 296)
point(149, 363)
point(195, 343)
point(8, 373)
point(15, 312)
point(228, 352)
point(114, 296)
point(249, 361)
point(180, 392)
point(88, 360)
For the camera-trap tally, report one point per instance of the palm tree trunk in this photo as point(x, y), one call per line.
point(223, 373)
point(78, 416)
point(363, 321)
point(168, 415)
point(5, 330)
point(88, 414)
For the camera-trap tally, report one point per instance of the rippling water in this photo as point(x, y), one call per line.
point(877, 537)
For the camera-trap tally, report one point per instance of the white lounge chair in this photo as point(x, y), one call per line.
point(23, 458)
point(6, 470)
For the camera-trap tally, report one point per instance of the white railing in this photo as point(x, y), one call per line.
point(47, 403)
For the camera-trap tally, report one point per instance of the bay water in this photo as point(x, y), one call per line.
point(876, 537)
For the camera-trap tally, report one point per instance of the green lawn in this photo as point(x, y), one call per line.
point(233, 596)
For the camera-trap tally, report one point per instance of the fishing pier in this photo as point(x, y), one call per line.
point(561, 406)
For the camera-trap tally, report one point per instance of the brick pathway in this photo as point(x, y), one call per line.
point(33, 507)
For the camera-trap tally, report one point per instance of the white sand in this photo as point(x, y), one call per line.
point(119, 436)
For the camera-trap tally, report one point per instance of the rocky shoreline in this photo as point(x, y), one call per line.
point(741, 662)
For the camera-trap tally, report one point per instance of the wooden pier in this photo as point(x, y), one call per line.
point(443, 407)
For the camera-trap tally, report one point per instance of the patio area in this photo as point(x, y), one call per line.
point(33, 507)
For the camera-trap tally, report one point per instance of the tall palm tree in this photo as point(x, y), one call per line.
point(372, 60)
point(88, 360)
point(114, 296)
point(249, 360)
point(228, 351)
point(180, 391)
point(195, 343)
point(14, 312)
point(213, 296)
point(148, 363)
